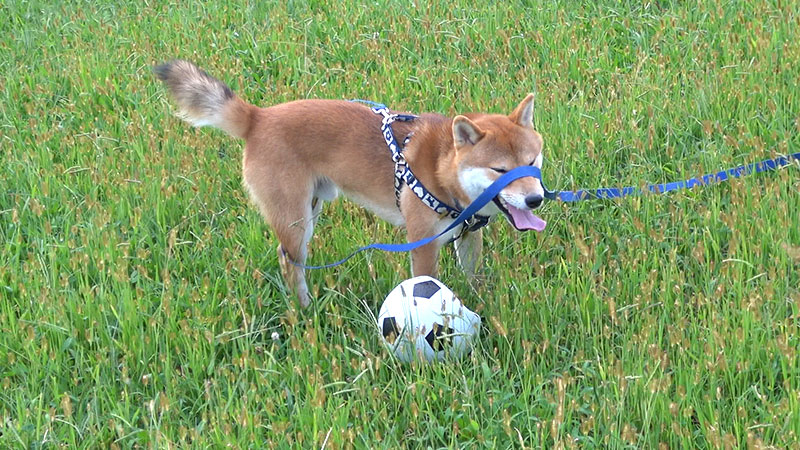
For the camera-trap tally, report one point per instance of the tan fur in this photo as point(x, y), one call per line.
point(301, 153)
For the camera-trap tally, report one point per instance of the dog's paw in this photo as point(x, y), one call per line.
point(294, 278)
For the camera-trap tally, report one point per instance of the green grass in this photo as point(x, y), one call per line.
point(139, 289)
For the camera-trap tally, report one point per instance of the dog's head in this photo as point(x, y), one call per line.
point(486, 147)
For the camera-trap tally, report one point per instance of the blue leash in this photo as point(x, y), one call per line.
point(570, 196)
point(724, 175)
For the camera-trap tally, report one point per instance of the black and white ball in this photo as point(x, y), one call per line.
point(422, 319)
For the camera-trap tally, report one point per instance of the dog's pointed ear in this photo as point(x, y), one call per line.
point(523, 114)
point(466, 132)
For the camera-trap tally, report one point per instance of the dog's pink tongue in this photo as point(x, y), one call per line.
point(526, 220)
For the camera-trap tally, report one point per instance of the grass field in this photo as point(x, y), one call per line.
point(139, 290)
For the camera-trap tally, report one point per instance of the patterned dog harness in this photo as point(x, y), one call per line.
point(403, 173)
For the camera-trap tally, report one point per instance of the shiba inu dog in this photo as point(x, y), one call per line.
point(302, 153)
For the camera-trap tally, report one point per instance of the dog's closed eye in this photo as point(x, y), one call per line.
point(499, 170)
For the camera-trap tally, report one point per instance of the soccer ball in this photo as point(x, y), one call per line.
point(422, 318)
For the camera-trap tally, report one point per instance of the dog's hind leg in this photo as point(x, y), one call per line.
point(293, 249)
point(289, 211)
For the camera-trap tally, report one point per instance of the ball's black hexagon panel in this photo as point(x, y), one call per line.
point(439, 337)
point(426, 289)
point(390, 330)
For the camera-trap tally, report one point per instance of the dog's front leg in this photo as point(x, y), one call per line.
point(425, 259)
point(469, 248)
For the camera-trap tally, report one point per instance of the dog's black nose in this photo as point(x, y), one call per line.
point(534, 201)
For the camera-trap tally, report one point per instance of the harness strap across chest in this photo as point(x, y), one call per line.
point(404, 175)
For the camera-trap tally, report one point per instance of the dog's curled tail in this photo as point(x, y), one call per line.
point(204, 100)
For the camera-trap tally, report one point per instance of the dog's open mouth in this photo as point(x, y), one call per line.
point(522, 219)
